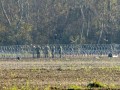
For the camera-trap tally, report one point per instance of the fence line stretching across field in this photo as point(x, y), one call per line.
point(58, 51)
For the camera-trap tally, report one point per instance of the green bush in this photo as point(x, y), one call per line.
point(51, 88)
point(96, 84)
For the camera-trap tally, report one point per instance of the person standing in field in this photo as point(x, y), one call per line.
point(33, 47)
point(60, 51)
point(53, 51)
point(46, 50)
point(38, 51)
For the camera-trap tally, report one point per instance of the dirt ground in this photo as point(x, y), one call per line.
point(61, 73)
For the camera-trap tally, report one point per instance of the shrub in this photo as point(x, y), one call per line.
point(96, 84)
point(51, 88)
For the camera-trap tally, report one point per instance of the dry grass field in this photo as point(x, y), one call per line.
point(59, 74)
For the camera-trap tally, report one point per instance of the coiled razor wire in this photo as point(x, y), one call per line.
point(69, 50)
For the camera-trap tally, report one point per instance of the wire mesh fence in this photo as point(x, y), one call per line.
point(58, 51)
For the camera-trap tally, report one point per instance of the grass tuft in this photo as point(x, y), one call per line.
point(74, 87)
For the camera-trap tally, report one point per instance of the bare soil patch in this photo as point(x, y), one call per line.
point(60, 74)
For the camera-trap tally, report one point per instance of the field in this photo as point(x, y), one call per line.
point(59, 74)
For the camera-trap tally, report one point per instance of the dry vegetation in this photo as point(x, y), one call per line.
point(65, 75)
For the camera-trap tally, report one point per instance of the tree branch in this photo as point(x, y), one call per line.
point(4, 12)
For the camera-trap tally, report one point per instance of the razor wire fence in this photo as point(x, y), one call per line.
point(58, 51)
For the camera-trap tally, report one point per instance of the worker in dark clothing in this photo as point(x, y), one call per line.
point(53, 51)
point(110, 55)
point(38, 51)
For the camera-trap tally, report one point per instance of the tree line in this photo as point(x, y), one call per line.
point(59, 22)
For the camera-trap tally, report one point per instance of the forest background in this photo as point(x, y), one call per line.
point(59, 22)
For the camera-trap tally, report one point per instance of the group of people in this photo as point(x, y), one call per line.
point(39, 51)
